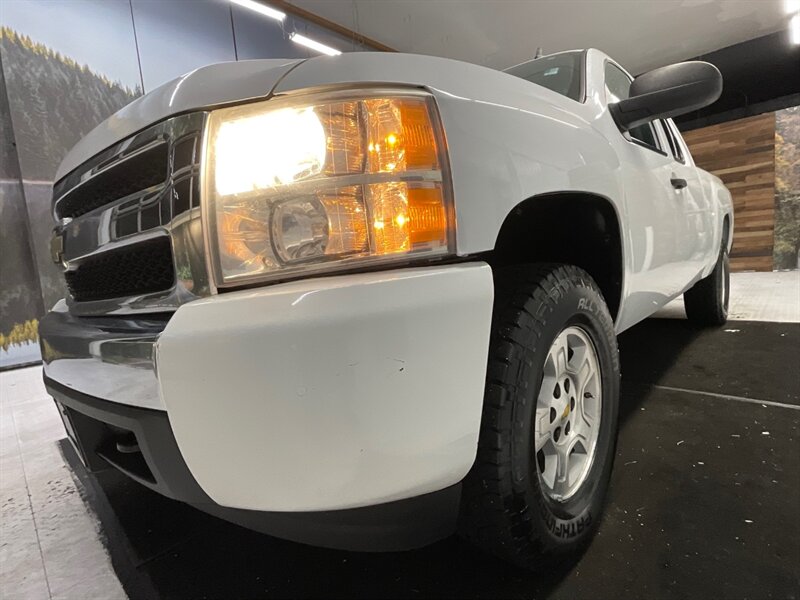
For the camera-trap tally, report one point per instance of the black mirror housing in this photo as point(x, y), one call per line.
point(668, 92)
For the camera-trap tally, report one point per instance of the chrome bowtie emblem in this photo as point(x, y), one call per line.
point(566, 412)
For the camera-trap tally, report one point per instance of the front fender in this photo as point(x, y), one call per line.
point(508, 139)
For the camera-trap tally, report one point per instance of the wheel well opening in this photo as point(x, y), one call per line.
point(577, 229)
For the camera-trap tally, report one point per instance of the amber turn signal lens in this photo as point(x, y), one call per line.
point(407, 217)
point(427, 219)
point(418, 138)
point(400, 135)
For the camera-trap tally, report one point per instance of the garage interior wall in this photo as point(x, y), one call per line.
point(758, 159)
point(69, 64)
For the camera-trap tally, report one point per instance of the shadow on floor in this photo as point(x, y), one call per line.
point(684, 488)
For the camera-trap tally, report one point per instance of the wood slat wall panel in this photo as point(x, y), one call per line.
point(742, 154)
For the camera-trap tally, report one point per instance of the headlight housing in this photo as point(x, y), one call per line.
point(308, 184)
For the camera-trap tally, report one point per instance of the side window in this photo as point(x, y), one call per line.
point(618, 87)
point(673, 139)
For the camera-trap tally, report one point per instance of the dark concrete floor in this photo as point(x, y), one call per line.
point(703, 502)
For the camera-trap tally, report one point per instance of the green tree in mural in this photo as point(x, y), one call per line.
point(54, 101)
point(787, 189)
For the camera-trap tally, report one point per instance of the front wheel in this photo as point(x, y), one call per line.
point(549, 425)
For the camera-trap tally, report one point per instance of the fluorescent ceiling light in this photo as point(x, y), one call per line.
point(794, 29)
point(263, 9)
point(314, 45)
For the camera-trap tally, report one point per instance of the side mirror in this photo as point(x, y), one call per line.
point(668, 92)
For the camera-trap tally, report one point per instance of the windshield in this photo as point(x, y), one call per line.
point(561, 73)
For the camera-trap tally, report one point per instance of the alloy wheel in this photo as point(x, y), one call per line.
point(568, 413)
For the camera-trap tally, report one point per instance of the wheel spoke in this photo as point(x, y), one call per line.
point(561, 353)
point(589, 409)
point(580, 443)
point(561, 483)
point(586, 370)
point(543, 428)
point(588, 389)
point(584, 420)
point(546, 397)
point(579, 427)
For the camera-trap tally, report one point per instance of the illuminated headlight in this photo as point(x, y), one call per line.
point(296, 186)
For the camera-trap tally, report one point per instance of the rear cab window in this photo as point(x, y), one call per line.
point(562, 73)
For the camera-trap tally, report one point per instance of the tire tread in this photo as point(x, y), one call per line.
point(495, 513)
point(702, 301)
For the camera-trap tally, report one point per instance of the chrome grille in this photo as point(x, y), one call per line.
point(140, 170)
point(139, 269)
point(130, 222)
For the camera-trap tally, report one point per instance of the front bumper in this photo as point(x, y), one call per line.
point(100, 429)
point(106, 357)
point(320, 395)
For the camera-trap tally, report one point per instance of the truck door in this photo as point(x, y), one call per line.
point(655, 211)
point(699, 218)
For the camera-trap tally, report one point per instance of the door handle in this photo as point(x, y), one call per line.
point(678, 183)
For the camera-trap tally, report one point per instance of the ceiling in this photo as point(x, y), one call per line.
point(640, 34)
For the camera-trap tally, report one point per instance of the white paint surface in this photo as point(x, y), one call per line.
point(331, 393)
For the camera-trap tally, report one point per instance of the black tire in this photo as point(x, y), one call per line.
point(707, 300)
point(504, 509)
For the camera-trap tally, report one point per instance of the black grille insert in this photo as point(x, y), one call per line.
point(128, 176)
point(131, 271)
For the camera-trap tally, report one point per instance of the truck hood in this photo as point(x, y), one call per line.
point(224, 83)
point(212, 85)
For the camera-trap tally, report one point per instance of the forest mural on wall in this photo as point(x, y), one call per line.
point(787, 189)
point(52, 101)
point(20, 297)
point(70, 64)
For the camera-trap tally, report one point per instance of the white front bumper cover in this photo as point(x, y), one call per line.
point(330, 393)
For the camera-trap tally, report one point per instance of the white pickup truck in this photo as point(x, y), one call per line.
point(365, 301)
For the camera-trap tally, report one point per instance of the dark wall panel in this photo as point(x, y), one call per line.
point(258, 36)
point(760, 75)
point(320, 34)
point(176, 37)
